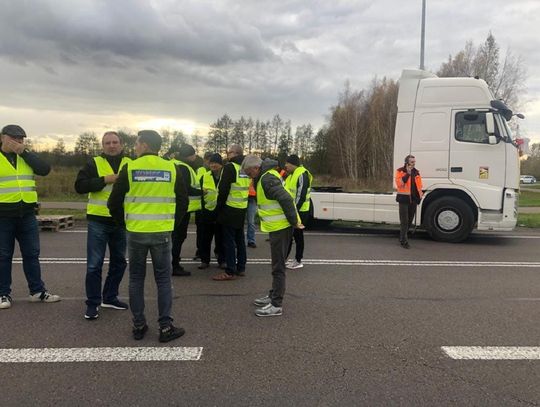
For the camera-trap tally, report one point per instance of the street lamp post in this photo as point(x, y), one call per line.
point(422, 38)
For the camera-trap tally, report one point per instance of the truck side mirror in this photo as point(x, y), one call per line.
point(492, 139)
point(490, 124)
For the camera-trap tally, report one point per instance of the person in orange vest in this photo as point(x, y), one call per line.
point(409, 195)
point(251, 211)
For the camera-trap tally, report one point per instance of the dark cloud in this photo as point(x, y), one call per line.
point(199, 59)
point(58, 30)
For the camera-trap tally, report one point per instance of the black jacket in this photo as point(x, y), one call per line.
point(226, 215)
point(121, 188)
point(40, 167)
point(88, 181)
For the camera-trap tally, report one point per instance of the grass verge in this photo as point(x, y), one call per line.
point(78, 214)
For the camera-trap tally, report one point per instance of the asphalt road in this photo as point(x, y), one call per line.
point(363, 324)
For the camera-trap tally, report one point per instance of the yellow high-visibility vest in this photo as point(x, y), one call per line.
point(194, 200)
point(97, 201)
point(16, 184)
point(238, 195)
point(210, 199)
point(291, 184)
point(150, 203)
point(270, 211)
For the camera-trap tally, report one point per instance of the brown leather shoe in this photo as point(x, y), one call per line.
point(223, 277)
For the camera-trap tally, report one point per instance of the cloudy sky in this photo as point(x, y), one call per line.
point(69, 66)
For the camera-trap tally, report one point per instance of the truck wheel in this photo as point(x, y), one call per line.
point(449, 220)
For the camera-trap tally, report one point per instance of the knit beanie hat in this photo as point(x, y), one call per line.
point(293, 159)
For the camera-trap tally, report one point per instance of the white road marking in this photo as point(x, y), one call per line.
point(335, 262)
point(353, 234)
point(137, 354)
point(492, 352)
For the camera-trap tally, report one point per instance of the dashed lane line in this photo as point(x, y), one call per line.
point(125, 354)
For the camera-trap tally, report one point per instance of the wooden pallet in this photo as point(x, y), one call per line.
point(55, 222)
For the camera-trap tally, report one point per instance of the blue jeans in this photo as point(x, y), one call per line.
point(234, 245)
point(159, 245)
point(251, 212)
point(25, 230)
point(99, 235)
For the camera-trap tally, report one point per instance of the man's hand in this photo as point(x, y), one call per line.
point(299, 226)
point(110, 179)
point(11, 146)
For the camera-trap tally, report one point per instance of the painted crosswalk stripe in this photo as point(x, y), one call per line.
point(136, 354)
point(492, 352)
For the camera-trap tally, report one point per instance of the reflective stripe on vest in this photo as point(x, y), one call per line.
point(291, 183)
point(238, 195)
point(97, 201)
point(270, 211)
point(16, 184)
point(210, 198)
point(150, 203)
point(194, 200)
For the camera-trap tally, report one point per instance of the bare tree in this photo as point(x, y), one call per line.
point(505, 76)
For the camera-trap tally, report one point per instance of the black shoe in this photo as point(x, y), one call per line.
point(203, 266)
point(115, 304)
point(138, 332)
point(252, 245)
point(179, 271)
point(170, 332)
point(91, 312)
point(405, 245)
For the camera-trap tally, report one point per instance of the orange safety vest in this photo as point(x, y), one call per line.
point(404, 188)
point(251, 191)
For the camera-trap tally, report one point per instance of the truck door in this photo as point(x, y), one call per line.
point(474, 163)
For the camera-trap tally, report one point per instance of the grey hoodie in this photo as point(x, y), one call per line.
point(275, 189)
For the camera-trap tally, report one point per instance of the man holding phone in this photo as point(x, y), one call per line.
point(409, 194)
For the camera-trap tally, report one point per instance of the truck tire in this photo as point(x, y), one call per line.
point(449, 219)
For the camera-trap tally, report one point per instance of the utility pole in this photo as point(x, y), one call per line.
point(423, 35)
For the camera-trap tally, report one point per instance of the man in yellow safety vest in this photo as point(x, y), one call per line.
point(231, 210)
point(298, 183)
point(278, 216)
point(186, 157)
point(148, 194)
point(96, 179)
point(18, 201)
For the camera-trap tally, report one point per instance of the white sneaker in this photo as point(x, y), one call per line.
point(288, 262)
point(44, 296)
point(262, 301)
point(269, 311)
point(5, 302)
point(295, 265)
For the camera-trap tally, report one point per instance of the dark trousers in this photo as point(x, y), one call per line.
point(406, 217)
point(234, 244)
point(25, 231)
point(99, 236)
point(159, 246)
point(198, 232)
point(298, 236)
point(279, 245)
point(209, 231)
point(179, 235)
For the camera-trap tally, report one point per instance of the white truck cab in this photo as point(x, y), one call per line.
point(465, 154)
